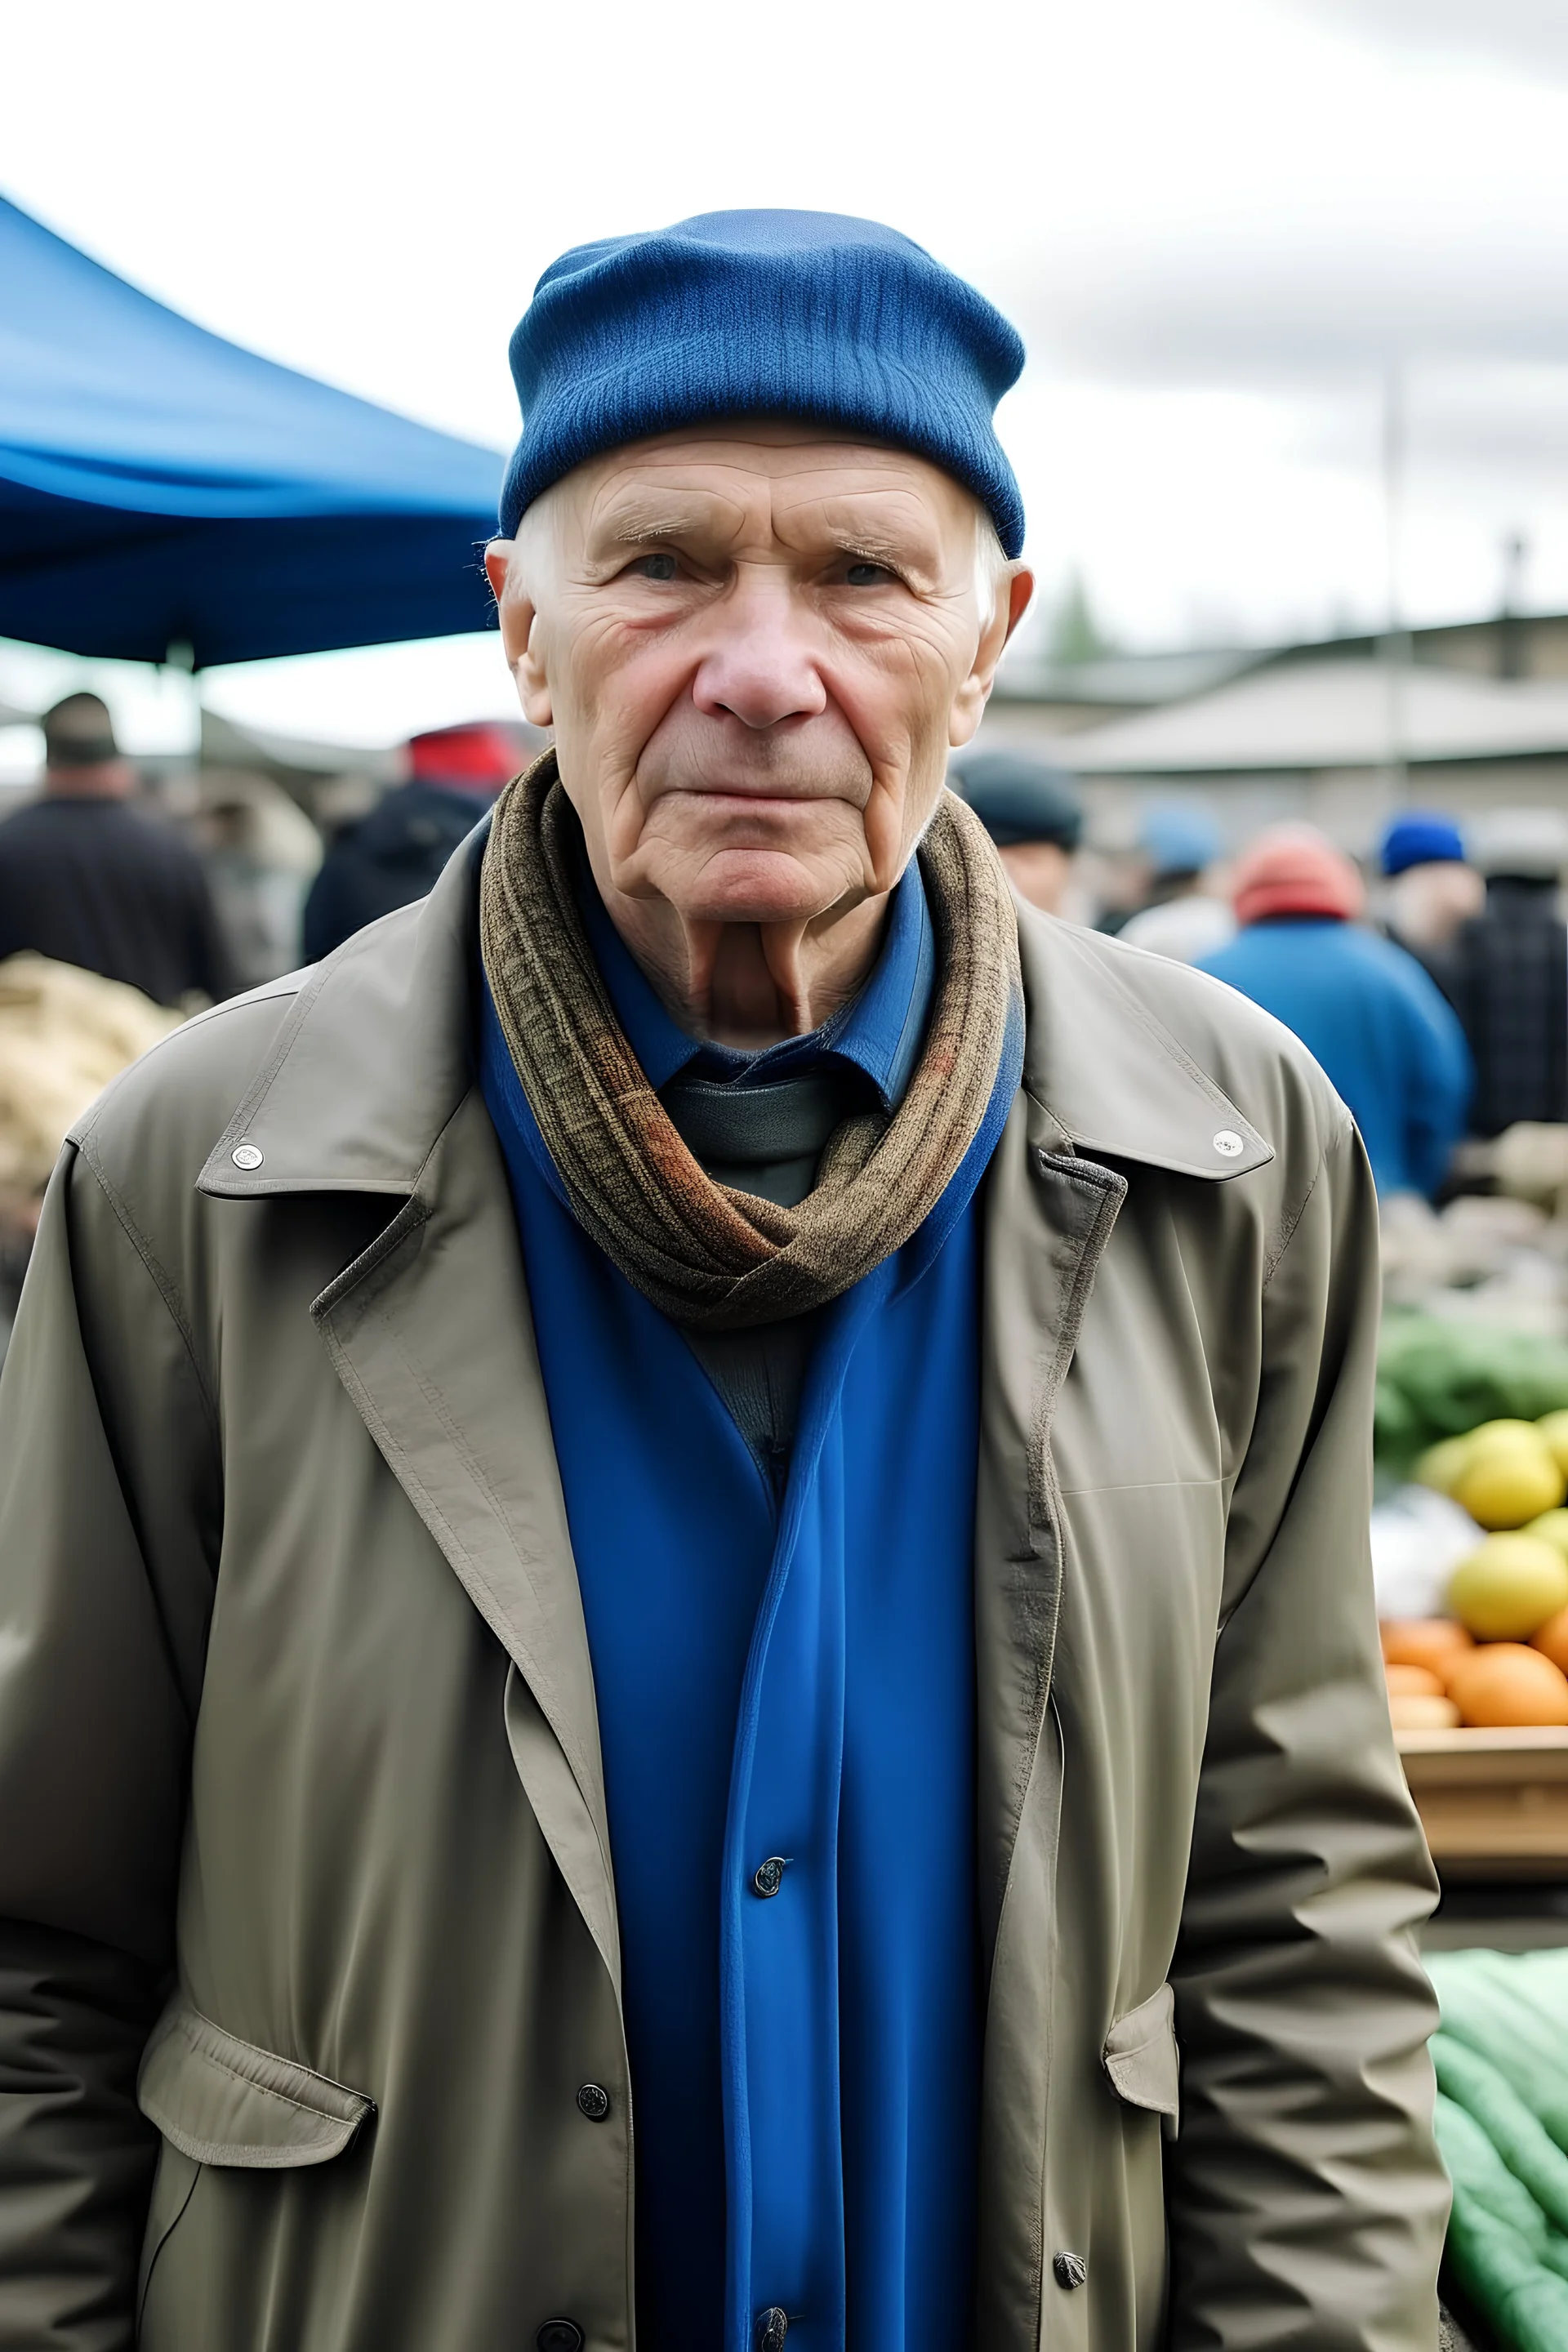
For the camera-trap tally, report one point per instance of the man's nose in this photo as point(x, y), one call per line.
point(760, 665)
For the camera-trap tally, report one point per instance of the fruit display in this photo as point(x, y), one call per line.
point(1438, 1380)
point(1492, 1651)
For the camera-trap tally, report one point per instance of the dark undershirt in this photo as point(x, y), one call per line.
point(766, 1140)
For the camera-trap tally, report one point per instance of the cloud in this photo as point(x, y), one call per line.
point(1525, 36)
point(1240, 308)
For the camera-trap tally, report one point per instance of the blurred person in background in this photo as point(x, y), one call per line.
point(1506, 972)
point(261, 853)
point(1174, 854)
point(1035, 816)
point(394, 855)
point(89, 879)
point(1365, 1009)
point(1430, 888)
point(1182, 915)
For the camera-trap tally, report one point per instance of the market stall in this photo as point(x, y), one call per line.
point(164, 491)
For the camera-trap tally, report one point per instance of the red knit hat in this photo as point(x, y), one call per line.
point(476, 759)
point(1292, 870)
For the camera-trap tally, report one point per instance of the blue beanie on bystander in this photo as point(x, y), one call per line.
point(813, 317)
point(1420, 838)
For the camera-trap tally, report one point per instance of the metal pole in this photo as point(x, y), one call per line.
point(1397, 645)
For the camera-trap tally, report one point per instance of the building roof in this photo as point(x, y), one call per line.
point(1332, 713)
point(1121, 681)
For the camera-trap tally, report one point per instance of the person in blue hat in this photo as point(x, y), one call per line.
point(1431, 890)
point(686, 1652)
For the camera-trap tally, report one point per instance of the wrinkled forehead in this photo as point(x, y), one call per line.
point(760, 480)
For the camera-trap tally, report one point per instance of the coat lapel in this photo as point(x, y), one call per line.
point(1049, 1217)
point(454, 1399)
point(371, 1090)
point(1103, 1081)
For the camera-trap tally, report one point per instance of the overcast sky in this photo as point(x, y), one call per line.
point(1218, 222)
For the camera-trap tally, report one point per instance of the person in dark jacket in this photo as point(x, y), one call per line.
point(392, 856)
point(89, 880)
point(1034, 817)
point(1506, 974)
point(1363, 1006)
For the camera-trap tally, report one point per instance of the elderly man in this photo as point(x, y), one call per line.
point(688, 1654)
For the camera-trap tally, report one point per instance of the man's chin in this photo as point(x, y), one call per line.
point(758, 885)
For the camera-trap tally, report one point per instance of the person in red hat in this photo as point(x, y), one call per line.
point(1381, 1029)
point(392, 856)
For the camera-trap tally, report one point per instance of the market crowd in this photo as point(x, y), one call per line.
point(1430, 980)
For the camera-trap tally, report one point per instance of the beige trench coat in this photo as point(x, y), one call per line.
point(309, 1915)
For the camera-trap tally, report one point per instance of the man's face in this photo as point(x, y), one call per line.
point(755, 647)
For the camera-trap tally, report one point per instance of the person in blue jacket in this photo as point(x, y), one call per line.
point(1378, 1024)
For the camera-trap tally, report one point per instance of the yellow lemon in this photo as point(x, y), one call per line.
point(1551, 1527)
point(1509, 1587)
point(1553, 1428)
point(1505, 1483)
point(1441, 1464)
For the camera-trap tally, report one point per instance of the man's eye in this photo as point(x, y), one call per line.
point(659, 566)
point(868, 576)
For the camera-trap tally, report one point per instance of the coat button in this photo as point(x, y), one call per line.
point(772, 2328)
point(1070, 2269)
point(594, 2102)
point(768, 1877)
point(1228, 1144)
point(245, 1156)
point(560, 2336)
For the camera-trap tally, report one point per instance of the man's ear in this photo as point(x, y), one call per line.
point(518, 614)
point(1014, 592)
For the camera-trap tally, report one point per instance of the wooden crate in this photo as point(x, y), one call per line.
point(1493, 1803)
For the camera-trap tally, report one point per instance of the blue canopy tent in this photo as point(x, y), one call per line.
point(161, 487)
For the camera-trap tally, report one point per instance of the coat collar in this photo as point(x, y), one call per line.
point(378, 1052)
point(1113, 1081)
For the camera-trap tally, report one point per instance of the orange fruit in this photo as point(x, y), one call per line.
point(1507, 1683)
point(1413, 1682)
point(1424, 1714)
point(1552, 1641)
point(1429, 1641)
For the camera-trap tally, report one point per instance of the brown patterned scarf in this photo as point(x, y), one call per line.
point(709, 1256)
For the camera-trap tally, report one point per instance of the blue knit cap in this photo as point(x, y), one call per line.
point(1421, 839)
point(812, 316)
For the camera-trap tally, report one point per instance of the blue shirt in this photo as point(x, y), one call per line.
point(877, 1033)
point(785, 1676)
point(1382, 1030)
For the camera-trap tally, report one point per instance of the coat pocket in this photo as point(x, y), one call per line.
point(1142, 2058)
point(223, 2100)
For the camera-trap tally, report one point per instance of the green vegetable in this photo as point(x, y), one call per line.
point(1437, 1380)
